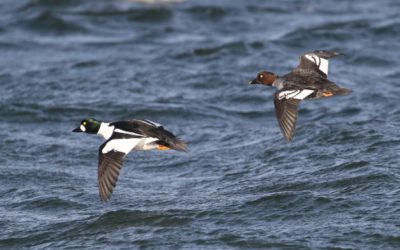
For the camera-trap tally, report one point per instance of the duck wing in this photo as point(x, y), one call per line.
point(317, 61)
point(111, 155)
point(286, 108)
point(109, 167)
point(147, 128)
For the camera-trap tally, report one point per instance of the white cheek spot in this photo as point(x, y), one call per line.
point(82, 128)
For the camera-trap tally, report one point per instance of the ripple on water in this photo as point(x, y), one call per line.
point(207, 12)
point(137, 218)
point(49, 22)
point(187, 66)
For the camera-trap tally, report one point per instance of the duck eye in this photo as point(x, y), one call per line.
point(260, 76)
point(84, 123)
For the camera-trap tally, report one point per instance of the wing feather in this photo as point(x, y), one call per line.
point(286, 113)
point(148, 128)
point(317, 61)
point(109, 167)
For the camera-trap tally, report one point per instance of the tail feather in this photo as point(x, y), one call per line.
point(174, 143)
point(180, 145)
point(342, 91)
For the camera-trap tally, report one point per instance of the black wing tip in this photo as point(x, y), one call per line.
point(289, 138)
point(105, 199)
point(105, 193)
point(288, 134)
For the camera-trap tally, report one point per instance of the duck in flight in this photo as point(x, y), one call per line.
point(309, 80)
point(121, 138)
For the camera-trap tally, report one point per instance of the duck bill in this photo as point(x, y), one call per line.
point(254, 81)
point(78, 129)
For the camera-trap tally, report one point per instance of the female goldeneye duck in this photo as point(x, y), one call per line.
point(264, 77)
point(308, 81)
point(121, 138)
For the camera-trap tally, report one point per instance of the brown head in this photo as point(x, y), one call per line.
point(264, 77)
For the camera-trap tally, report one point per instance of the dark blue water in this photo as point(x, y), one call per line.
point(187, 65)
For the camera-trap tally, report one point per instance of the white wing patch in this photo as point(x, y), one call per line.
point(322, 63)
point(127, 132)
point(121, 145)
point(295, 94)
point(127, 145)
point(154, 124)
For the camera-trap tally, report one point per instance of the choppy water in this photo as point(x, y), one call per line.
point(186, 65)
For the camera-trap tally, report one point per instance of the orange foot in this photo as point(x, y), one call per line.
point(327, 93)
point(162, 147)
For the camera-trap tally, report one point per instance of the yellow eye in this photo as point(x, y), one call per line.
point(261, 76)
point(84, 123)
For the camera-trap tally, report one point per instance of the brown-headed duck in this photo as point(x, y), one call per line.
point(309, 80)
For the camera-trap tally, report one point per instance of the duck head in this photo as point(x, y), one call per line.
point(90, 126)
point(264, 77)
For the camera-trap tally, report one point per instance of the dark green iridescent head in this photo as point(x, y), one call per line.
point(90, 126)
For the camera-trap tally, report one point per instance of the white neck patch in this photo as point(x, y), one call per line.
point(322, 63)
point(105, 130)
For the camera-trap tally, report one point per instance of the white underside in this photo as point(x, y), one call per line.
point(295, 94)
point(323, 64)
point(127, 145)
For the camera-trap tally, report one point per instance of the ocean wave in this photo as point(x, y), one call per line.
point(50, 22)
point(129, 218)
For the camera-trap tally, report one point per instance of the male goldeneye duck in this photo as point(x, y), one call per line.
point(308, 81)
point(121, 138)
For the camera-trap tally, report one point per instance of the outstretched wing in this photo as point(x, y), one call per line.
point(111, 155)
point(317, 61)
point(286, 103)
point(109, 167)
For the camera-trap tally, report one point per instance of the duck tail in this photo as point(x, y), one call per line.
point(179, 145)
point(174, 143)
point(342, 91)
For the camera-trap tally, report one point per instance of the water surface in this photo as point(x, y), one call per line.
point(186, 65)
